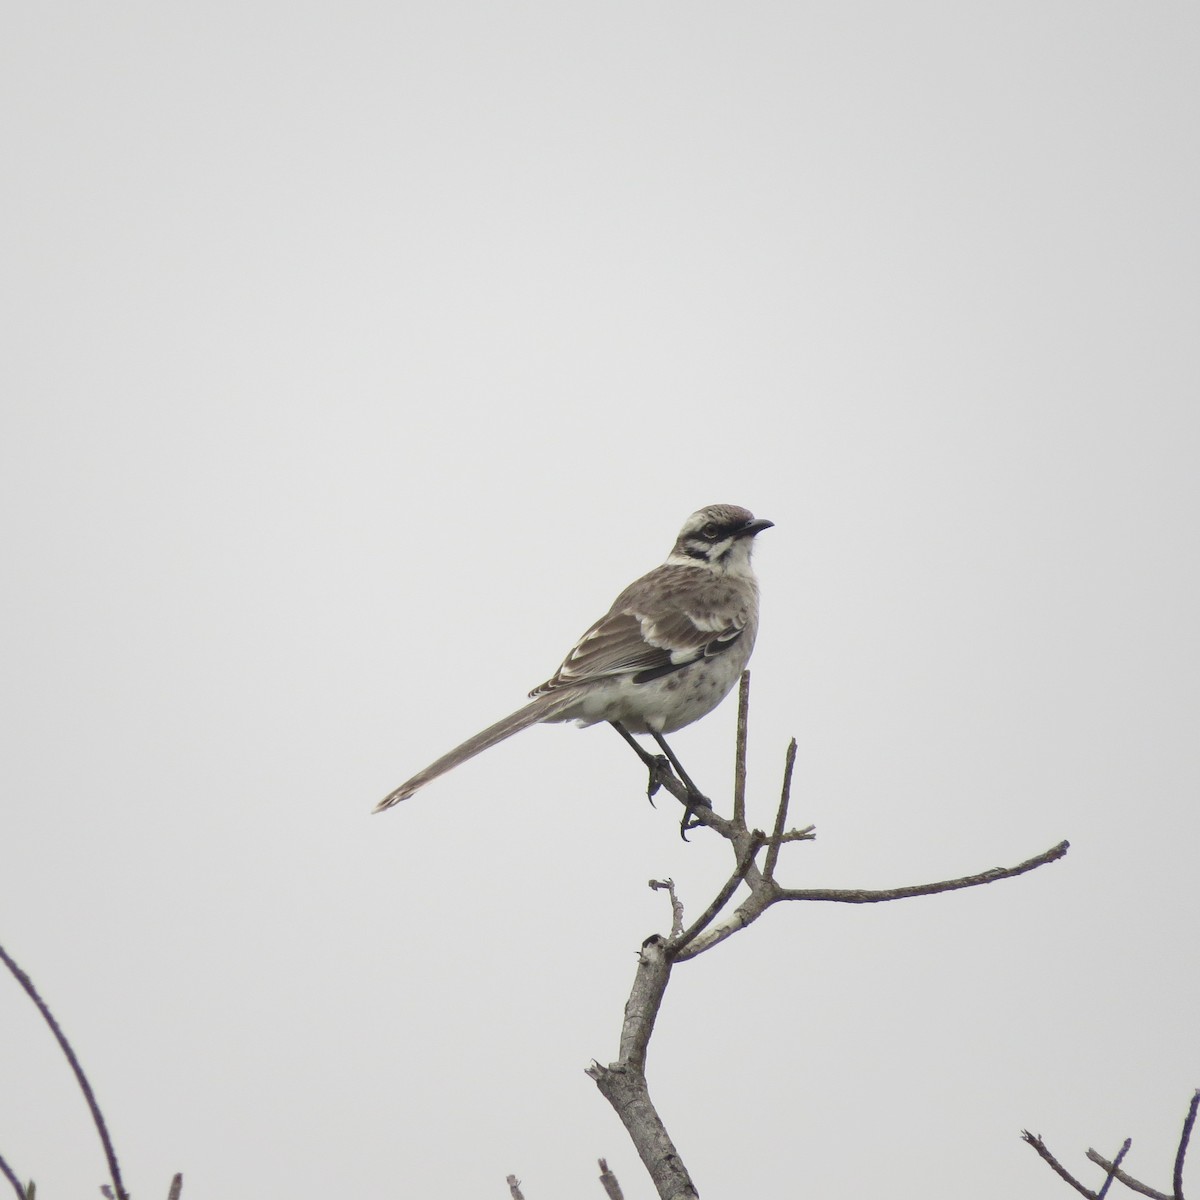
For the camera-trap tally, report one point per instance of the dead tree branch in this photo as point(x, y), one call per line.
point(1108, 1178)
point(623, 1083)
point(1120, 1176)
point(1113, 1170)
point(1188, 1123)
point(863, 896)
point(1040, 1146)
point(785, 796)
point(677, 944)
point(612, 1189)
point(739, 757)
point(668, 886)
point(10, 1175)
point(114, 1169)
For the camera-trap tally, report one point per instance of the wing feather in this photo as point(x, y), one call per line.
point(668, 619)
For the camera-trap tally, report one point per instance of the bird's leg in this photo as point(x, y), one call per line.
point(695, 797)
point(652, 762)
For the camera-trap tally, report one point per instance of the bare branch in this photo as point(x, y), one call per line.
point(756, 842)
point(668, 885)
point(1135, 1185)
point(785, 796)
point(1188, 1122)
point(1110, 1174)
point(1036, 1142)
point(612, 1189)
point(10, 1175)
point(514, 1188)
point(863, 896)
point(807, 834)
point(176, 1188)
point(739, 756)
point(765, 892)
point(762, 896)
point(641, 1009)
point(110, 1154)
point(623, 1083)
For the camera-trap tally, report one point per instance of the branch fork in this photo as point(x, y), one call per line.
point(623, 1083)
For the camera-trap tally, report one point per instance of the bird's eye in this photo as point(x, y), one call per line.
point(710, 531)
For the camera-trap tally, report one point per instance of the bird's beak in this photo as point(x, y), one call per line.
point(756, 526)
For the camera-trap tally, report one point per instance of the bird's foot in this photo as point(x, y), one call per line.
point(695, 801)
point(657, 765)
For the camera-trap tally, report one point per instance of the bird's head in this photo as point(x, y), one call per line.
point(719, 536)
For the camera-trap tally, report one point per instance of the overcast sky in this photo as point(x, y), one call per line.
point(357, 355)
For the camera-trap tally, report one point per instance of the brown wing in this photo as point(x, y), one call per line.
point(658, 625)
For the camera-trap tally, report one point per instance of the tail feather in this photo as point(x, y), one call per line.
point(541, 709)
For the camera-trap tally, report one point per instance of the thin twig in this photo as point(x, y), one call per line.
point(110, 1154)
point(1110, 1174)
point(10, 1175)
point(785, 796)
point(864, 896)
point(755, 844)
point(668, 885)
point(612, 1189)
point(176, 1188)
point(1181, 1153)
point(1036, 1142)
point(739, 758)
point(1135, 1185)
point(807, 834)
point(514, 1188)
point(766, 892)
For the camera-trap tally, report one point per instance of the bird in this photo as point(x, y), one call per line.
point(666, 653)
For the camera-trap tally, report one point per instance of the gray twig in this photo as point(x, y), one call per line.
point(1110, 1174)
point(110, 1154)
point(1036, 1142)
point(1188, 1122)
point(785, 796)
point(755, 844)
point(864, 896)
point(668, 885)
point(1134, 1185)
point(11, 1176)
point(612, 1189)
point(739, 753)
point(1112, 1170)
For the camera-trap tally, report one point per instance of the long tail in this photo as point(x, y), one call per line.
point(542, 709)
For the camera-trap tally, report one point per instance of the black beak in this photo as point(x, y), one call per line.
point(754, 527)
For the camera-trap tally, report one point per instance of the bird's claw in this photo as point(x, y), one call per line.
point(657, 764)
point(695, 801)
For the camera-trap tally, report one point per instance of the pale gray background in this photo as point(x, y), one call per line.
point(356, 356)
